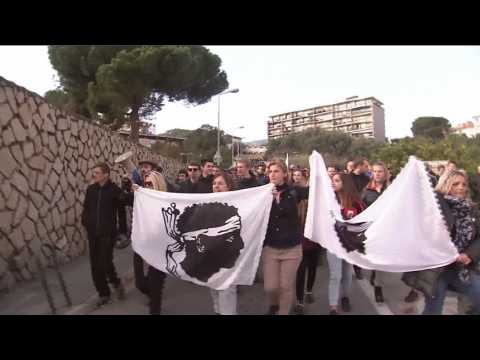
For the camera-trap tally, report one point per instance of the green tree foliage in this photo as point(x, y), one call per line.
point(119, 84)
point(167, 149)
point(77, 66)
point(199, 144)
point(339, 147)
point(59, 98)
point(431, 127)
point(181, 133)
point(459, 148)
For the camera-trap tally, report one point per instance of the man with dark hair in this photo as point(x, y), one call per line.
point(206, 180)
point(216, 170)
point(349, 166)
point(195, 184)
point(452, 165)
point(182, 176)
point(332, 170)
point(262, 177)
point(359, 176)
point(145, 167)
point(245, 177)
point(99, 216)
point(361, 180)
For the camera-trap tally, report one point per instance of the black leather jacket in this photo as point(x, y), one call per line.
point(101, 208)
point(284, 229)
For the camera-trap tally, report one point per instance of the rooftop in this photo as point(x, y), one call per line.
point(153, 136)
point(336, 103)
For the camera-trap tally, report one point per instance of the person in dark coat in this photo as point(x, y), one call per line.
point(377, 185)
point(145, 168)
point(182, 176)
point(282, 252)
point(99, 217)
point(196, 183)
point(155, 278)
point(463, 221)
point(361, 180)
point(206, 180)
point(262, 177)
point(246, 179)
point(359, 175)
point(311, 253)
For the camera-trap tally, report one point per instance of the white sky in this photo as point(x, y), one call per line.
point(411, 81)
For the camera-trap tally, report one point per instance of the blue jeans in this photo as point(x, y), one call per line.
point(434, 306)
point(340, 280)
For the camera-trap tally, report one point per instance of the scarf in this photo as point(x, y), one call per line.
point(464, 230)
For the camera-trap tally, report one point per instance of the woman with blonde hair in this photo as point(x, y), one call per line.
point(282, 252)
point(155, 278)
point(154, 180)
point(463, 221)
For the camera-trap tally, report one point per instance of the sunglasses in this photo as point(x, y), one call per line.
point(149, 184)
point(192, 169)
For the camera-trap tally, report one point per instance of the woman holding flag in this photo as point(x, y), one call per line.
point(340, 271)
point(155, 278)
point(282, 251)
point(463, 220)
point(224, 301)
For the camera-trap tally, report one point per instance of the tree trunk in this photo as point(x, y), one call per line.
point(134, 125)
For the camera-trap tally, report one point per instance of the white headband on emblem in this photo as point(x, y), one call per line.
point(230, 225)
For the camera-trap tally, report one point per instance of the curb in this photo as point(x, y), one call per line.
point(88, 306)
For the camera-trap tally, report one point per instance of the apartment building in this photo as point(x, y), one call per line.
point(359, 117)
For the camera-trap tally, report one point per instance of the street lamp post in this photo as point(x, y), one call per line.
point(218, 158)
point(233, 147)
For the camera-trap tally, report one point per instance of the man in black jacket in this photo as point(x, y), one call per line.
point(245, 178)
point(100, 211)
point(262, 177)
point(196, 182)
point(374, 189)
point(359, 175)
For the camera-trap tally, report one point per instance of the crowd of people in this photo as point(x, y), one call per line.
point(289, 261)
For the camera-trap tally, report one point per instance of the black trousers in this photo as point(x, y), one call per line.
point(140, 278)
point(156, 281)
point(309, 263)
point(101, 264)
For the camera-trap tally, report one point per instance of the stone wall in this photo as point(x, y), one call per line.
point(46, 158)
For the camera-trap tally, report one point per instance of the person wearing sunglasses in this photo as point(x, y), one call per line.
point(155, 278)
point(194, 185)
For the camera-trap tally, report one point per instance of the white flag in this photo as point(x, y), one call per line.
point(403, 230)
point(213, 240)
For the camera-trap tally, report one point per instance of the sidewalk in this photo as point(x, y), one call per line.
point(29, 298)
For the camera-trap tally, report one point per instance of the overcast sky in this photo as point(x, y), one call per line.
point(411, 81)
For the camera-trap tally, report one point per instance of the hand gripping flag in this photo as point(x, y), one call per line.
point(402, 231)
point(213, 240)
